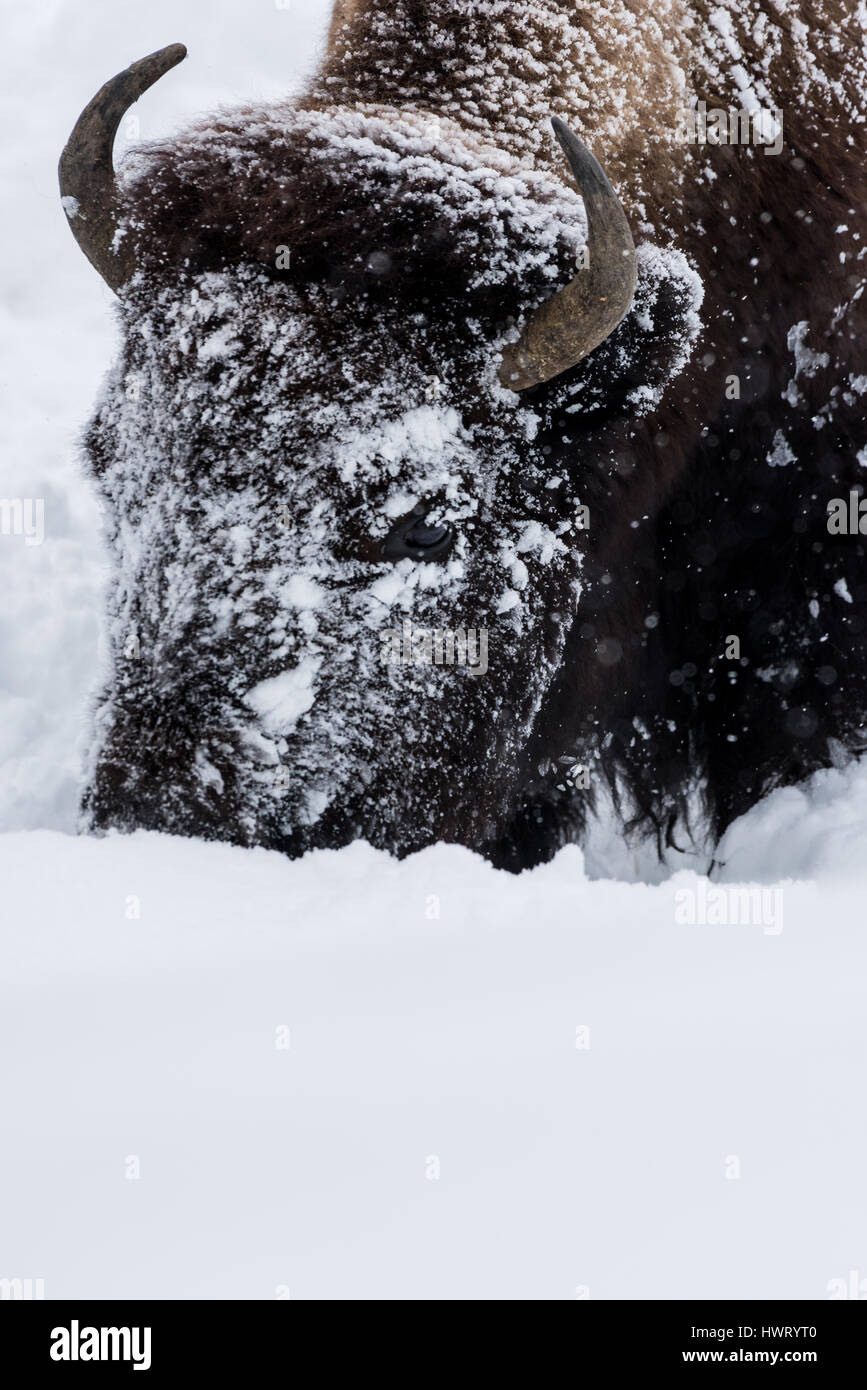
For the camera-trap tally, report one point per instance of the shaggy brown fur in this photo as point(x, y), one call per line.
point(776, 239)
point(387, 181)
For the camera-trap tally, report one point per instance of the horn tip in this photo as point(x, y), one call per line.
point(168, 57)
point(157, 64)
point(574, 149)
point(565, 135)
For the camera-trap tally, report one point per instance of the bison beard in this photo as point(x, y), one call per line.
point(268, 424)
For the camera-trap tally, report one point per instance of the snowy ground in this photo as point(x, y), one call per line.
point(551, 1086)
point(494, 1087)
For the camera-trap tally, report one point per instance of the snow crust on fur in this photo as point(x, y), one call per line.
point(263, 432)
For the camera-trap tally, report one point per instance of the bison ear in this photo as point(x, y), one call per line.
point(650, 346)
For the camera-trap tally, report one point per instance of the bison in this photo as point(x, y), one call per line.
point(403, 379)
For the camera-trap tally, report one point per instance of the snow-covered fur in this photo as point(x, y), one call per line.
point(310, 350)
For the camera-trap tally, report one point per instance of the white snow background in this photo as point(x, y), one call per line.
point(432, 1130)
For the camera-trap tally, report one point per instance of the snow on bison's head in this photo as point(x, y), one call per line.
point(352, 514)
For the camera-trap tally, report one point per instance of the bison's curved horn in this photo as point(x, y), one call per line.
point(581, 316)
point(87, 183)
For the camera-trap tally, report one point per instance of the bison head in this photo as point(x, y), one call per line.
point(352, 511)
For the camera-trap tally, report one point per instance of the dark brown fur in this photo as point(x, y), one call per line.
point(696, 536)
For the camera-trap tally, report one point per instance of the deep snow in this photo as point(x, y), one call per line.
point(414, 1036)
point(417, 1039)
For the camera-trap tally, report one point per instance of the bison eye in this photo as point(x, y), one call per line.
point(425, 536)
point(413, 536)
